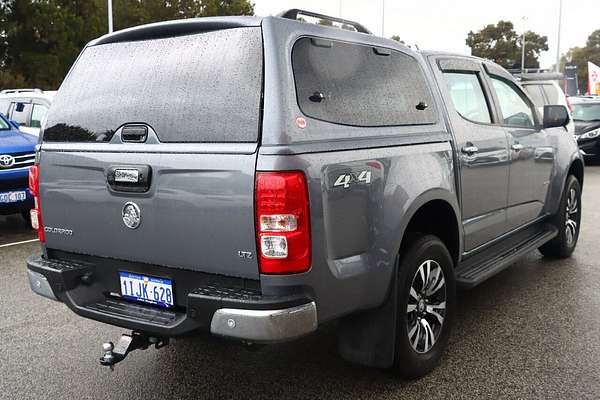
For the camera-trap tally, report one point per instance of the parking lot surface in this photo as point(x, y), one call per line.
point(530, 332)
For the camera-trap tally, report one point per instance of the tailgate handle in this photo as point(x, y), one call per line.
point(134, 134)
point(129, 178)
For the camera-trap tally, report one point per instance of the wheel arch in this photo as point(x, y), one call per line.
point(437, 213)
point(368, 338)
point(576, 169)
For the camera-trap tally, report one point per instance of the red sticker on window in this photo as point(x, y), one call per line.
point(301, 122)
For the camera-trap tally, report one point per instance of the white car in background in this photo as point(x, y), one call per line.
point(28, 107)
point(544, 90)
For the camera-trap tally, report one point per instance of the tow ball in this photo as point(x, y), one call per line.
point(126, 344)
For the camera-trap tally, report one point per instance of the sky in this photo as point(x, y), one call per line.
point(444, 25)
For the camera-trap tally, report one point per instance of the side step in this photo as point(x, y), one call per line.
point(472, 274)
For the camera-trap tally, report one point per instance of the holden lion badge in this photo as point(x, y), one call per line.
point(132, 217)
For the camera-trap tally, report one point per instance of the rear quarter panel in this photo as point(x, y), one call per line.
point(357, 229)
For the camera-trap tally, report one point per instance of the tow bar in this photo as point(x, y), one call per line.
point(126, 344)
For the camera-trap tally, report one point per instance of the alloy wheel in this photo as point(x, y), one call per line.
point(572, 217)
point(426, 309)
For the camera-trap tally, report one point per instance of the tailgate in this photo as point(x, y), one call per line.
point(197, 214)
point(178, 117)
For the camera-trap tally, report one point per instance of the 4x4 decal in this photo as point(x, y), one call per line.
point(351, 178)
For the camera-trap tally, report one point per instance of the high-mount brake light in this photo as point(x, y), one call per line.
point(282, 222)
point(36, 213)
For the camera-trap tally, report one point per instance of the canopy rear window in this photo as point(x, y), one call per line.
point(203, 87)
point(359, 85)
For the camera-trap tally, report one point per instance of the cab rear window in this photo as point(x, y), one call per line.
point(359, 85)
point(202, 87)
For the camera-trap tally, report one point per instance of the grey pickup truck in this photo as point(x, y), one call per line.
point(257, 177)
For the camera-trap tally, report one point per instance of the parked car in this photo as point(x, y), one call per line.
point(17, 154)
point(13, 124)
point(586, 114)
point(27, 107)
point(293, 174)
point(545, 92)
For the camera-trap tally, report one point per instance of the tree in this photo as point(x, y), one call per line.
point(593, 41)
point(136, 12)
point(397, 39)
point(8, 80)
point(580, 57)
point(40, 39)
point(503, 45)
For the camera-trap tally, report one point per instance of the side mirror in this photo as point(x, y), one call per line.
point(556, 116)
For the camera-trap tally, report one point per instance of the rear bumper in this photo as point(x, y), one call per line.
point(237, 313)
point(265, 325)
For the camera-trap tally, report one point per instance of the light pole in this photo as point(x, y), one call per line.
point(340, 10)
point(523, 47)
point(558, 38)
point(383, 18)
point(110, 19)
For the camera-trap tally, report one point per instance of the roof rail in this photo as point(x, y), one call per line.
point(294, 12)
point(540, 76)
point(9, 91)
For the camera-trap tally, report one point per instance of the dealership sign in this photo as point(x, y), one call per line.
point(593, 79)
point(571, 84)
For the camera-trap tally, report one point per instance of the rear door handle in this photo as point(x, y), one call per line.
point(470, 150)
point(517, 146)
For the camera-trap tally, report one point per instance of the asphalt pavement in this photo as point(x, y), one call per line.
point(532, 331)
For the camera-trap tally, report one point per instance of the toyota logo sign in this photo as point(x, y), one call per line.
point(6, 161)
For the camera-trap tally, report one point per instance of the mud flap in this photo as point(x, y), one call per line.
point(368, 338)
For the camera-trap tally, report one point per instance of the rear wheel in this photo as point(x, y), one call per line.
point(567, 220)
point(426, 303)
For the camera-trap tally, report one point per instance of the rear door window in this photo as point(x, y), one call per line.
point(37, 115)
point(203, 87)
point(515, 109)
point(4, 103)
point(468, 96)
point(20, 112)
point(360, 85)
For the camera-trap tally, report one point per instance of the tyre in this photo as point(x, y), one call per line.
point(567, 220)
point(426, 306)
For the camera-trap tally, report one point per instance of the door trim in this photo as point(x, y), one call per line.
point(478, 249)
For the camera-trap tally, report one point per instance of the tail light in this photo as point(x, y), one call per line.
point(282, 222)
point(36, 213)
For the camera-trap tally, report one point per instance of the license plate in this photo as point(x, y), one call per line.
point(147, 289)
point(13, 197)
